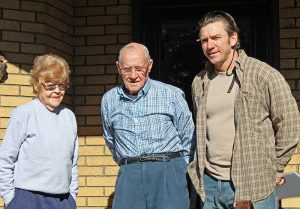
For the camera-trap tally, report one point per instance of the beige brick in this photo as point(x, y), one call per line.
point(98, 201)
point(2, 133)
point(5, 111)
point(291, 203)
point(104, 79)
point(117, 29)
point(95, 140)
point(91, 191)
point(19, 15)
point(295, 159)
point(99, 161)
point(81, 181)
point(291, 168)
point(81, 201)
point(89, 11)
point(109, 191)
point(11, 101)
point(89, 50)
point(101, 181)
point(111, 170)
point(9, 90)
point(286, 3)
point(107, 151)
point(121, 9)
point(27, 91)
point(12, 68)
point(102, 39)
point(101, 20)
point(3, 122)
point(90, 171)
point(18, 79)
point(81, 161)
point(91, 150)
point(9, 25)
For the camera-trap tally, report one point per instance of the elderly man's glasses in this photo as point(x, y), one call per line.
point(137, 69)
point(53, 86)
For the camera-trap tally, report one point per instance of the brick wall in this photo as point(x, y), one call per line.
point(289, 23)
point(89, 34)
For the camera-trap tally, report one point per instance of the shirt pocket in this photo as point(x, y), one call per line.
point(253, 105)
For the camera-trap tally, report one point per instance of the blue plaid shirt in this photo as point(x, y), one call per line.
point(157, 120)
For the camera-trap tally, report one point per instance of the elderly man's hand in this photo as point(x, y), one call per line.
point(3, 67)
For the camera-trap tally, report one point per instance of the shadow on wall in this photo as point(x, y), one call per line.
point(110, 200)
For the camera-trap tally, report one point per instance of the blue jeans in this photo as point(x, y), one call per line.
point(220, 195)
point(152, 185)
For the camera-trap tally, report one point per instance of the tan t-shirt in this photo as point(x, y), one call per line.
point(220, 125)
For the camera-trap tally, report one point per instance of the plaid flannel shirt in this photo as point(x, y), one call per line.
point(267, 126)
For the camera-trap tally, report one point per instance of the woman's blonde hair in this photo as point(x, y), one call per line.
point(49, 68)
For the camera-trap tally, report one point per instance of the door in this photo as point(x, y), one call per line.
point(169, 29)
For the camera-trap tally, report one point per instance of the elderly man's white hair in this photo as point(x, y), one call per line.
point(134, 45)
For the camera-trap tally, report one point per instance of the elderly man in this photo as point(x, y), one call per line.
point(247, 122)
point(148, 128)
point(3, 67)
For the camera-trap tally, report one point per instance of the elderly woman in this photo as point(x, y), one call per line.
point(39, 152)
point(3, 67)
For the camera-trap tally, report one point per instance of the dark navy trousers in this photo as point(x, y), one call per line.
point(152, 185)
point(25, 199)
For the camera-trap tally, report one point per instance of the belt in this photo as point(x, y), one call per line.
point(151, 157)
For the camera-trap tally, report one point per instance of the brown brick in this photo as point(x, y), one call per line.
point(33, 48)
point(19, 15)
point(103, 39)
point(89, 90)
point(9, 46)
point(89, 11)
point(287, 23)
point(112, 69)
point(120, 9)
point(101, 59)
point(101, 20)
point(9, 25)
point(19, 58)
point(287, 43)
point(80, 21)
point(117, 29)
point(89, 30)
point(287, 63)
point(113, 49)
point(286, 3)
point(90, 130)
point(33, 27)
point(289, 53)
point(291, 74)
point(79, 41)
point(104, 79)
point(49, 41)
point(102, 2)
point(93, 120)
point(18, 36)
point(124, 19)
point(292, 84)
point(290, 33)
point(293, 12)
point(298, 63)
point(125, 1)
point(89, 70)
point(93, 100)
point(11, 4)
point(89, 50)
point(65, 24)
point(124, 39)
point(87, 110)
point(34, 6)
